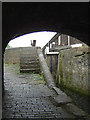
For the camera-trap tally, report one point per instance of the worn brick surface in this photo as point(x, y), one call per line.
point(27, 96)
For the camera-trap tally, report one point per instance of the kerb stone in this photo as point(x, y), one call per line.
point(61, 99)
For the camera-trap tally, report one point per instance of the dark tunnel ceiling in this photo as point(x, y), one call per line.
point(19, 18)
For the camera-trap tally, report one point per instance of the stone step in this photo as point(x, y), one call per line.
point(29, 70)
point(29, 66)
point(28, 55)
point(61, 98)
point(29, 62)
point(29, 58)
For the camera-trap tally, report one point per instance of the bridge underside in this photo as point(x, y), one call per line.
point(67, 18)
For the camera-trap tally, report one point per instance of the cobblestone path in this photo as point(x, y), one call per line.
point(27, 96)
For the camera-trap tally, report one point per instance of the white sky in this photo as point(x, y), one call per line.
point(24, 41)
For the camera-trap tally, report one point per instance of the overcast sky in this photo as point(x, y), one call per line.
point(24, 41)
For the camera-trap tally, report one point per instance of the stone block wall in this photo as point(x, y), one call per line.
point(12, 55)
point(52, 61)
point(70, 68)
point(73, 66)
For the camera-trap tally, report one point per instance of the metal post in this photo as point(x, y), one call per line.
point(50, 45)
point(68, 40)
point(33, 43)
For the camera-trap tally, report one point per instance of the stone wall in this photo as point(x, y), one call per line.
point(52, 61)
point(70, 68)
point(73, 69)
point(12, 55)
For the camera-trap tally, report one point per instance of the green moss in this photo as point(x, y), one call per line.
point(59, 81)
point(61, 72)
point(62, 53)
point(86, 53)
point(68, 75)
point(13, 67)
point(57, 77)
point(76, 90)
point(42, 75)
point(85, 46)
point(18, 68)
point(81, 100)
point(66, 72)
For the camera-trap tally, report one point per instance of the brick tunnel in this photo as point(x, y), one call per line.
point(66, 18)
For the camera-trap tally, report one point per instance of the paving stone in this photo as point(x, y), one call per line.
point(75, 110)
point(57, 90)
point(28, 100)
point(61, 99)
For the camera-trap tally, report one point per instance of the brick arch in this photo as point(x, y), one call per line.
point(66, 18)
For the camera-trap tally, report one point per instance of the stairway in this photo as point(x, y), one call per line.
point(29, 61)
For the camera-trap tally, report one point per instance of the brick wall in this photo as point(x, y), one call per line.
point(64, 39)
point(73, 40)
